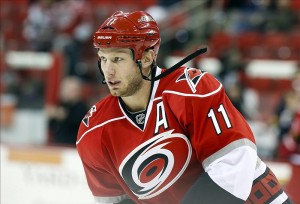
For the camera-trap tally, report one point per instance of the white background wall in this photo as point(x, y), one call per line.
point(28, 127)
point(25, 181)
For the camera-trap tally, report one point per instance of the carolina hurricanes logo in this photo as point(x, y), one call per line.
point(145, 18)
point(89, 114)
point(192, 76)
point(155, 165)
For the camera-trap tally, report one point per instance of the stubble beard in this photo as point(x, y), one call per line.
point(134, 84)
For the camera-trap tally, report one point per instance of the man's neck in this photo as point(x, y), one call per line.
point(139, 100)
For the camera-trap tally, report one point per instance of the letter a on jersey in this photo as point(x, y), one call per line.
point(192, 76)
point(161, 118)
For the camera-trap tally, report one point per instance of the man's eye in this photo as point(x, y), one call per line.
point(117, 59)
point(103, 59)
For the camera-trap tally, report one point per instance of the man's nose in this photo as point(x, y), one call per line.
point(108, 68)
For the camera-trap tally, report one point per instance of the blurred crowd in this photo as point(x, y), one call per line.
point(234, 31)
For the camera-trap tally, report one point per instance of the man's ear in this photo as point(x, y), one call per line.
point(148, 57)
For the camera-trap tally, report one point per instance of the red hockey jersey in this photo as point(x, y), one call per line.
point(190, 126)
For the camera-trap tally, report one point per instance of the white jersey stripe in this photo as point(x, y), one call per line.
point(154, 89)
point(157, 98)
point(194, 95)
point(102, 124)
point(237, 181)
point(225, 150)
point(280, 199)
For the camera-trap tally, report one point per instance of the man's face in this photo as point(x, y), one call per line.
point(120, 71)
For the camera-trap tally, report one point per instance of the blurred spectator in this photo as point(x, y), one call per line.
point(29, 88)
point(285, 113)
point(251, 103)
point(60, 25)
point(265, 137)
point(295, 128)
point(167, 3)
point(283, 19)
point(159, 13)
point(290, 137)
point(231, 61)
point(291, 141)
point(64, 119)
point(38, 27)
point(235, 94)
point(73, 23)
point(244, 99)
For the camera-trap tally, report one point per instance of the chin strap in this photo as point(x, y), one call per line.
point(101, 72)
point(139, 63)
point(180, 63)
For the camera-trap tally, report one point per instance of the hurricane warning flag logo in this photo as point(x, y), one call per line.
point(89, 114)
point(192, 76)
point(156, 164)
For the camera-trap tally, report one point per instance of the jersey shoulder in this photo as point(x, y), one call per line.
point(188, 80)
point(102, 111)
point(89, 137)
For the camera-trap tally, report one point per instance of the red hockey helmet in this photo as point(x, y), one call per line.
point(137, 31)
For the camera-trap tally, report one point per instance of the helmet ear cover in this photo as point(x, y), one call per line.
point(137, 31)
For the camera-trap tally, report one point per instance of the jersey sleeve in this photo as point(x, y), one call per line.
point(205, 111)
point(222, 140)
point(213, 121)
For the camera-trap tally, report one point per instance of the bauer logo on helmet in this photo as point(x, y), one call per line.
point(103, 37)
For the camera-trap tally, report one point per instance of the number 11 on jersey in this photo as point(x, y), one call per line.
point(211, 114)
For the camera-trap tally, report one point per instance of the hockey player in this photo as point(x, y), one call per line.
point(165, 138)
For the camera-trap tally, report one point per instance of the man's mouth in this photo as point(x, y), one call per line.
point(113, 83)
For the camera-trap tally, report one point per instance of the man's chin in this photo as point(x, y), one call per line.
point(113, 93)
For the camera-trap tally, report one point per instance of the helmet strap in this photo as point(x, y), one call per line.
point(180, 63)
point(101, 72)
point(139, 63)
